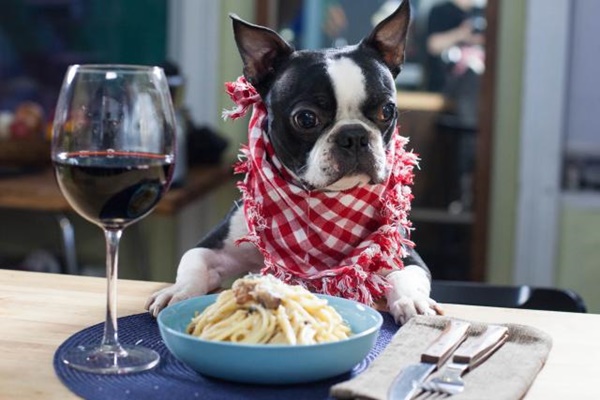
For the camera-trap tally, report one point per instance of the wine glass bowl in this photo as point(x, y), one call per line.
point(113, 188)
point(113, 151)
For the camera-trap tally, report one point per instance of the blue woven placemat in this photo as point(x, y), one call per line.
point(172, 379)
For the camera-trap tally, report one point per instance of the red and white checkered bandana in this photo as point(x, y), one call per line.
point(337, 243)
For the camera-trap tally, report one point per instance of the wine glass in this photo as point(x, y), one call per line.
point(113, 151)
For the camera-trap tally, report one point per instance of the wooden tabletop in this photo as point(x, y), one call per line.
point(40, 311)
point(38, 191)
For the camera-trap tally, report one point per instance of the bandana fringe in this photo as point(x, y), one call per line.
point(351, 283)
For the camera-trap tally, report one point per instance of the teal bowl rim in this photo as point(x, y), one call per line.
point(272, 347)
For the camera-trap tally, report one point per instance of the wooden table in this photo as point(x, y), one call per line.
point(39, 311)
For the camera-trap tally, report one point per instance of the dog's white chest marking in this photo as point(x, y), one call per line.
point(349, 86)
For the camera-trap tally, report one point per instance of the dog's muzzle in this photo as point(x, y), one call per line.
point(354, 152)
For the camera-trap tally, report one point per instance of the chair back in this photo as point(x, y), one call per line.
point(523, 296)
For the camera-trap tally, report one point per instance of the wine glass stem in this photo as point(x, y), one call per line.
point(111, 336)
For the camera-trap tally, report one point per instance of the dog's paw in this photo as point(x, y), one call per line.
point(171, 295)
point(406, 307)
point(409, 294)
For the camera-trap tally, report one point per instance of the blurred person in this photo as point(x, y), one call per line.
point(454, 40)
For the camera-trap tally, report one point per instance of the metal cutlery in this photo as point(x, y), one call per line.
point(468, 356)
point(410, 378)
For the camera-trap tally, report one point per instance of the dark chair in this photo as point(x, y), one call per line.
point(482, 294)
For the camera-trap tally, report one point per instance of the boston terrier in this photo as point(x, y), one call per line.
point(324, 131)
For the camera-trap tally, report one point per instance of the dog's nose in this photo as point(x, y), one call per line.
point(353, 139)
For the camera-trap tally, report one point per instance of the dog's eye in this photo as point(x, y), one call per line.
point(387, 112)
point(306, 119)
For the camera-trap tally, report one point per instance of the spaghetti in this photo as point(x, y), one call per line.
point(263, 309)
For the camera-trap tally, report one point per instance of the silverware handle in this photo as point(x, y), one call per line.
point(454, 333)
point(476, 351)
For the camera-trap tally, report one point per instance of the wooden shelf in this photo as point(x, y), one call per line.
point(589, 199)
point(421, 101)
point(38, 191)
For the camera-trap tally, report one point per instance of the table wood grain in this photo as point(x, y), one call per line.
point(40, 311)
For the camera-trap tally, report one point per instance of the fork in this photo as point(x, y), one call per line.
point(467, 357)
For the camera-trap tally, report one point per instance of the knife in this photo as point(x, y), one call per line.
point(410, 378)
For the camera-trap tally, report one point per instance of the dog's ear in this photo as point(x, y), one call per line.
point(261, 49)
point(388, 38)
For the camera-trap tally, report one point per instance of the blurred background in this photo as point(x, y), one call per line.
point(498, 97)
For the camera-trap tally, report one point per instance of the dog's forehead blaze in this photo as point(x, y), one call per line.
point(349, 85)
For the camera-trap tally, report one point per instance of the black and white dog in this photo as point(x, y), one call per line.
point(331, 115)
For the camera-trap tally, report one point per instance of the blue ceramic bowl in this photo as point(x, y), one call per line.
point(269, 364)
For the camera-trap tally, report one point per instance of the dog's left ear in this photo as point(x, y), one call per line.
point(388, 38)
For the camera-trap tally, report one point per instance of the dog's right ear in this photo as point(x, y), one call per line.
point(261, 49)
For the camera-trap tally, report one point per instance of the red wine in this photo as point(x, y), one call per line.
point(113, 188)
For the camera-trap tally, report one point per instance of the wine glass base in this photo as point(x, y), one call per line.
point(102, 359)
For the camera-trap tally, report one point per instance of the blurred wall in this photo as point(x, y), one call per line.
point(578, 265)
point(505, 165)
point(575, 254)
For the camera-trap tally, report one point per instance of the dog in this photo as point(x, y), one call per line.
point(330, 117)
